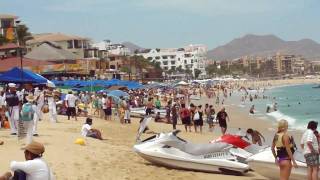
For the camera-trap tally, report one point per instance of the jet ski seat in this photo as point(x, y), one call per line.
point(198, 149)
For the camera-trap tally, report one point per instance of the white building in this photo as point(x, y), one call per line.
point(190, 57)
point(115, 49)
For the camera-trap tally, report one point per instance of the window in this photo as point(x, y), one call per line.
point(187, 55)
point(165, 63)
point(77, 44)
point(173, 62)
point(191, 61)
point(165, 68)
point(157, 57)
point(149, 58)
point(6, 23)
point(185, 61)
point(70, 44)
point(164, 57)
point(178, 59)
point(172, 57)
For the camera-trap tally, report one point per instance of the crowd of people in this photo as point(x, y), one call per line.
point(21, 108)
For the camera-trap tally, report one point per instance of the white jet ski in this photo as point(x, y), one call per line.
point(167, 149)
point(263, 163)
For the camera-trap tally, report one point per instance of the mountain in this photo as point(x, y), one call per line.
point(132, 47)
point(264, 45)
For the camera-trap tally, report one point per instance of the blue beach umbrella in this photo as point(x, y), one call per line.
point(118, 93)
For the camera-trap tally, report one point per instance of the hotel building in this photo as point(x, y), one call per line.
point(189, 57)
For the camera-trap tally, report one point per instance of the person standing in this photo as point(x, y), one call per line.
point(198, 119)
point(12, 102)
point(282, 149)
point(109, 108)
point(49, 94)
point(71, 100)
point(27, 114)
point(174, 113)
point(39, 115)
point(149, 107)
point(157, 103)
point(185, 117)
point(310, 146)
point(104, 105)
point(222, 117)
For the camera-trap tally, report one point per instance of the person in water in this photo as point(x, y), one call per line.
point(251, 111)
point(283, 148)
point(255, 136)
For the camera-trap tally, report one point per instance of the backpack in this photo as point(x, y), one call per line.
point(27, 112)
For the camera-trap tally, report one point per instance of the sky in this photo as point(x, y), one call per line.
point(170, 23)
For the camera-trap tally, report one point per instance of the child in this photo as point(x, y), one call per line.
point(87, 131)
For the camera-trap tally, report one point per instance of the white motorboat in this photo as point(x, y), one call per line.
point(263, 163)
point(140, 111)
point(167, 149)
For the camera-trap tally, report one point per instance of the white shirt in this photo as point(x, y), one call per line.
point(104, 103)
point(85, 129)
point(308, 136)
point(2, 100)
point(71, 100)
point(35, 169)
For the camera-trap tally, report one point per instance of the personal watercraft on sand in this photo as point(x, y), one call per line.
point(261, 160)
point(169, 150)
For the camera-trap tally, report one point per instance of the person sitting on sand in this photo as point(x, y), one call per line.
point(1, 142)
point(34, 168)
point(87, 131)
point(255, 136)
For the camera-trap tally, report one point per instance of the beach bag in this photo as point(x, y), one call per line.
point(196, 116)
point(27, 112)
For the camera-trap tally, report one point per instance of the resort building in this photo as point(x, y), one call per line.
point(191, 57)
point(114, 49)
point(71, 43)
point(7, 25)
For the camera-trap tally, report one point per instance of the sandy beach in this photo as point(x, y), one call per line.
point(114, 158)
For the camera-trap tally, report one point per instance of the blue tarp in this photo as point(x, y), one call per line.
point(104, 83)
point(16, 75)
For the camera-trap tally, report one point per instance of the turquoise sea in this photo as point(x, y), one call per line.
point(297, 104)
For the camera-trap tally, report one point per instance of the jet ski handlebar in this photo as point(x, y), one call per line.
point(175, 132)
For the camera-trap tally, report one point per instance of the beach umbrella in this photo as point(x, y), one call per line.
point(118, 93)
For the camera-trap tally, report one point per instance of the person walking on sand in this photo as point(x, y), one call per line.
point(222, 117)
point(49, 94)
point(12, 101)
point(27, 114)
point(282, 149)
point(310, 146)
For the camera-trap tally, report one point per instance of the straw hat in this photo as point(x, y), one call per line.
point(35, 148)
point(30, 98)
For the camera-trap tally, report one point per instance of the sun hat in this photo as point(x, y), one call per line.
point(35, 148)
point(12, 85)
point(30, 98)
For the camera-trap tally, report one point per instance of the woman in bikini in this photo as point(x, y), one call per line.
point(283, 148)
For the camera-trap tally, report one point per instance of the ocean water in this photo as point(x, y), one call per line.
point(297, 104)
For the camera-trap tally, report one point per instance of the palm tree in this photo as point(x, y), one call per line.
point(23, 34)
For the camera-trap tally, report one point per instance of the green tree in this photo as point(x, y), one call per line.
point(3, 40)
point(23, 34)
point(197, 72)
